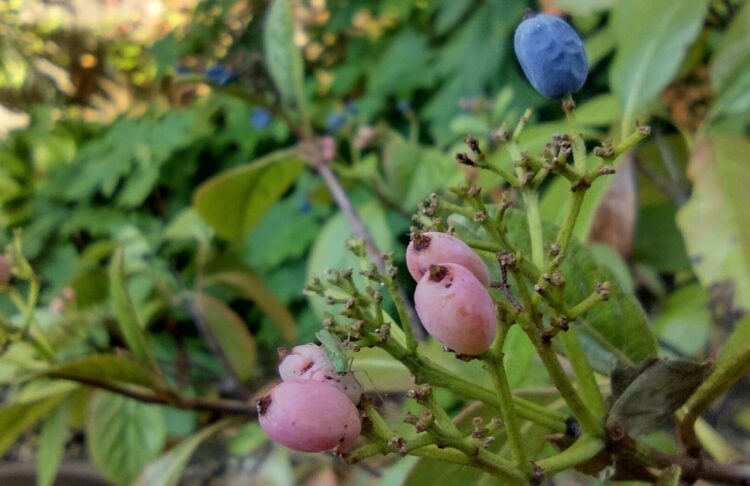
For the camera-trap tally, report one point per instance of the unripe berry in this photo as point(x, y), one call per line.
point(551, 55)
point(456, 309)
point(433, 248)
point(5, 270)
point(310, 362)
point(309, 416)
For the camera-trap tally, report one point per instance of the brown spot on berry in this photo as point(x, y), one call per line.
point(263, 404)
point(306, 368)
point(421, 241)
point(438, 272)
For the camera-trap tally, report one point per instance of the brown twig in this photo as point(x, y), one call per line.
point(218, 405)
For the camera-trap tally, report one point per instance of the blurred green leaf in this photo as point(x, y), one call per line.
point(52, 444)
point(377, 371)
point(329, 250)
point(101, 367)
point(431, 472)
point(16, 418)
point(715, 222)
point(652, 40)
point(685, 320)
point(251, 287)
point(283, 57)
point(658, 241)
point(730, 67)
point(230, 333)
point(654, 392)
point(233, 202)
point(127, 318)
point(123, 435)
point(167, 470)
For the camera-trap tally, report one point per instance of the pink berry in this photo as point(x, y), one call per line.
point(433, 248)
point(456, 309)
point(309, 416)
point(310, 362)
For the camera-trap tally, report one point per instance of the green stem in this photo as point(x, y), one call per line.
point(585, 305)
point(723, 377)
point(495, 367)
point(581, 451)
point(579, 147)
point(379, 426)
point(534, 219)
point(426, 371)
point(584, 373)
point(569, 221)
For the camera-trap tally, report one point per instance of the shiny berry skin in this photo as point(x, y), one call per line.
point(310, 362)
point(309, 416)
point(432, 248)
point(456, 309)
point(551, 55)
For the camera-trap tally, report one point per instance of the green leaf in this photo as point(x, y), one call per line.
point(431, 472)
point(652, 39)
point(329, 251)
point(655, 391)
point(16, 418)
point(730, 66)
point(127, 318)
point(234, 201)
point(715, 221)
point(52, 445)
point(230, 334)
point(166, 470)
point(615, 330)
point(101, 367)
point(377, 371)
point(123, 435)
point(584, 7)
point(685, 320)
point(247, 284)
point(283, 57)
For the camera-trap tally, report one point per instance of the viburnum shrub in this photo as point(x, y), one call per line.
point(470, 309)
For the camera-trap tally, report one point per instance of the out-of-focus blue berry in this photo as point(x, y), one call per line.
point(182, 69)
point(260, 118)
point(335, 122)
point(403, 107)
point(351, 108)
point(220, 75)
point(551, 54)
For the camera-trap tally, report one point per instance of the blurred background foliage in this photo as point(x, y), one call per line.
point(131, 125)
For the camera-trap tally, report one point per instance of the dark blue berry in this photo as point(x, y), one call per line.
point(352, 108)
point(220, 75)
point(552, 55)
point(260, 118)
point(335, 122)
point(403, 107)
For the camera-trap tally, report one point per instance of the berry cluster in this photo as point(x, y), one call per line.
point(451, 298)
point(313, 409)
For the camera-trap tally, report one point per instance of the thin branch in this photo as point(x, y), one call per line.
point(218, 405)
point(361, 231)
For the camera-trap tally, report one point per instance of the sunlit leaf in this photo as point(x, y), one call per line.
point(730, 66)
point(652, 39)
point(283, 57)
point(715, 221)
point(52, 444)
point(233, 202)
point(16, 418)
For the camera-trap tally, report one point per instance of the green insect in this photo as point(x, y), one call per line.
point(336, 352)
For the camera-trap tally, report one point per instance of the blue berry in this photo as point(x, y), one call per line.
point(260, 118)
point(220, 75)
point(551, 54)
point(335, 122)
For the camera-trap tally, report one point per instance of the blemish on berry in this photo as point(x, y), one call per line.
point(438, 272)
point(421, 242)
point(263, 404)
point(307, 367)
